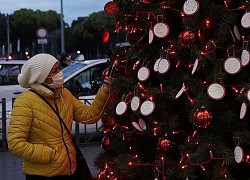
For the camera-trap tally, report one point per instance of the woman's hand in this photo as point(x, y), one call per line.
point(107, 82)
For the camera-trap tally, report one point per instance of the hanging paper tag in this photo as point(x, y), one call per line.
point(236, 32)
point(238, 154)
point(180, 92)
point(143, 74)
point(135, 103)
point(150, 36)
point(232, 65)
point(164, 66)
point(142, 124)
point(245, 20)
point(243, 110)
point(216, 91)
point(156, 65)
point(161, 30)
point(245, 57)
point(248, 95)
point(195, 66)
point(147, 107)
point(190, 7)
point(137, 126)
point(121, 108)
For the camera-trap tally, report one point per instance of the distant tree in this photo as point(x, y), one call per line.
point(24, 24)
point(88, 34)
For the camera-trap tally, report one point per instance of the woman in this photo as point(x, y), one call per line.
point(35, 133)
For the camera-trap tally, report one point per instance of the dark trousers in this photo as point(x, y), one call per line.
point(34, 177)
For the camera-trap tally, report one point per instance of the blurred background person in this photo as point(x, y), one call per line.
point(65, 60)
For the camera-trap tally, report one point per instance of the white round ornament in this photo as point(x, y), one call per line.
point(195, 66)
point(150, 36)
point(156, 65)
point(137, 126)
point(232, 65)
point(238, 154)
point(236, 32)
point(216, 91)
point(121, 108)
point(245, 20)
point(164, 66)
point(245, 57)
point(142, 124)
point(161, 30)
point(243, 110)
point(190, 7)
point(135, 103)
point(147, 107)
point(143, 73)
point(180, 92)
point(248, 95)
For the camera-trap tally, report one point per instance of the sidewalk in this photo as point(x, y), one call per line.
point(11, 166)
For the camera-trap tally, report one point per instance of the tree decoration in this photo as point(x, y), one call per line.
point(108, 122)
point(163, 144)
point(106, 143)
point(202, 117)
point(111, 8)
point(106, 174)
point(105, 36)
point(179, 59)
point(186, 38)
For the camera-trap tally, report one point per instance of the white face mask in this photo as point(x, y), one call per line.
point(58, 80)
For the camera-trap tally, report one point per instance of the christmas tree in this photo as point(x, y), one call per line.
point(179, 102)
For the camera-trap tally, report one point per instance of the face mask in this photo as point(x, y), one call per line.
point(58, 80)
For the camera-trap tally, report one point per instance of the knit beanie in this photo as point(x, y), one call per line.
point(36, 69)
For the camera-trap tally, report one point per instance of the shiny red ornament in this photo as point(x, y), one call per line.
point(105, 36)
point(202, 117)
point(163, 144)
point(113, 97)
point(111, 8)
point(106, 143)
point(108, 122)
point(106, 174)
point(186, 38)
point(105, 73)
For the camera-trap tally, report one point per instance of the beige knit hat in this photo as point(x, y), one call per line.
point(36, 69)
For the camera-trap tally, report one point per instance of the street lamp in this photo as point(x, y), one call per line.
point(62, 30)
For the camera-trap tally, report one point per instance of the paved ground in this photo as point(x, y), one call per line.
point(10, 166)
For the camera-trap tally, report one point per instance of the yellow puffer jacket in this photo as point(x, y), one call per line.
point(36, 134)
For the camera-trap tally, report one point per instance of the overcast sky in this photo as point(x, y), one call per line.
point(72, 9)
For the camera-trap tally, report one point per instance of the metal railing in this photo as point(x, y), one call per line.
point(83, 139)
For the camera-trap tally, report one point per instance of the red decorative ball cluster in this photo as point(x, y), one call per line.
point(202, 117)
point(111, 8)
point(163, 144)
point(186, 38)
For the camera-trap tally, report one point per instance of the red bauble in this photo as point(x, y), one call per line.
point(108, 122)
point(106, 143)
point(105, 36)
point(111, 8)
point(106, 174)
point(186, 38)
point(202, 117)
point(105, 73)
point(113, 97)
point(163, 144)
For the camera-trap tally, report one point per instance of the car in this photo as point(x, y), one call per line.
point(82, 78)
point(9, 87)
point(9, 70)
